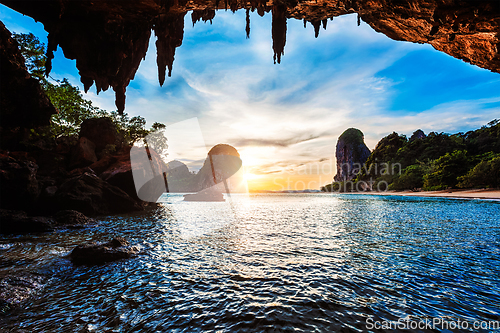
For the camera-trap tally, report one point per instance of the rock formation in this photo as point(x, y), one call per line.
point(101, 132)
point(221, 163)
point(98, 254)
point(351, 154)
point(418, 134)
point(109, 39)
point(23, 103)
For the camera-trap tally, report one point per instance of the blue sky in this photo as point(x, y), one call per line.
point(287, 115)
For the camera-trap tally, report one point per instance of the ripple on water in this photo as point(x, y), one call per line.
point(272, 262)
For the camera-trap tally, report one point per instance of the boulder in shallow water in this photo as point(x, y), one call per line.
point(72, 219)
point(98, 254)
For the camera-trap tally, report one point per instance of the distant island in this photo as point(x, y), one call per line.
point(436, 161)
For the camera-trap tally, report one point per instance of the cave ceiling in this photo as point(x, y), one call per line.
point(109, 38)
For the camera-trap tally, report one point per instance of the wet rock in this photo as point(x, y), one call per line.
point(14, 289)
point(119, 173)
point(118, 242)
point(98, 254)
point(103, 164)
point(72, 219)
point(91, 195)
point(17, 222)
point(83, 154)
point(19, 187)
point(102, 132)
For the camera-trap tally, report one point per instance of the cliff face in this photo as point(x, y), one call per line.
point(351, 154)
point(23, 103)
point(108, 38)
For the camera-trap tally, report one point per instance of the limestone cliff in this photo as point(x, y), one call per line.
point(351, 154)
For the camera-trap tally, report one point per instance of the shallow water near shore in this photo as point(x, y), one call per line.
point(269, 262)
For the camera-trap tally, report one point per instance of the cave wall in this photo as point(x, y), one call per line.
point(109, 38)
point(23, 103)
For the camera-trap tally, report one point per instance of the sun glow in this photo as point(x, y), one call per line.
point(250, 176)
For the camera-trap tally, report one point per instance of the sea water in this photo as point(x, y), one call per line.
point(271, 262)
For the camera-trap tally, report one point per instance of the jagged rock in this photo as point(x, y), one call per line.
point(351, 154)
point(22, 100)
point(103, 164)
point(50, 164)
point(120, 172)
point(83, 153)
point(98, 254)
point(19, 187)
point(91, 195)
point(102, 132)
point(72, 219)
point(17, 222)
point(64, 144)
point(418, 134)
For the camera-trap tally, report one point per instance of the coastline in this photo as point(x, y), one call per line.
point(483, 194)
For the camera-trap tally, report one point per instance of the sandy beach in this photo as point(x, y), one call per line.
point(490, 194)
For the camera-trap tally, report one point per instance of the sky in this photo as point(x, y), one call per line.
point(284, 119)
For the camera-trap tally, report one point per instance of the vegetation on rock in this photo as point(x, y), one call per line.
point(72, 108)
point(434, 162)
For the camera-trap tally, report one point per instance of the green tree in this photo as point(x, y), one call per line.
point(34, 52)
point(72, 108)
point(411, 178)
point(485, 173)
point(446, 169)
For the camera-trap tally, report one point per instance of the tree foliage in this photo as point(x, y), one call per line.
point(485, 173)
point(436, 161)
point(446, 169)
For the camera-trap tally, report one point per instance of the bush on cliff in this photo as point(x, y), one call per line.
point(485, 173)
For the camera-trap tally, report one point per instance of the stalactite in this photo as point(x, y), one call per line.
point(248, 23)
point(233, 5)
point(204, 14)
point(87, 83)
point(278, 31)
point(316, 24)
point(109, 39)
point(170, 31)
point(120, 98)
